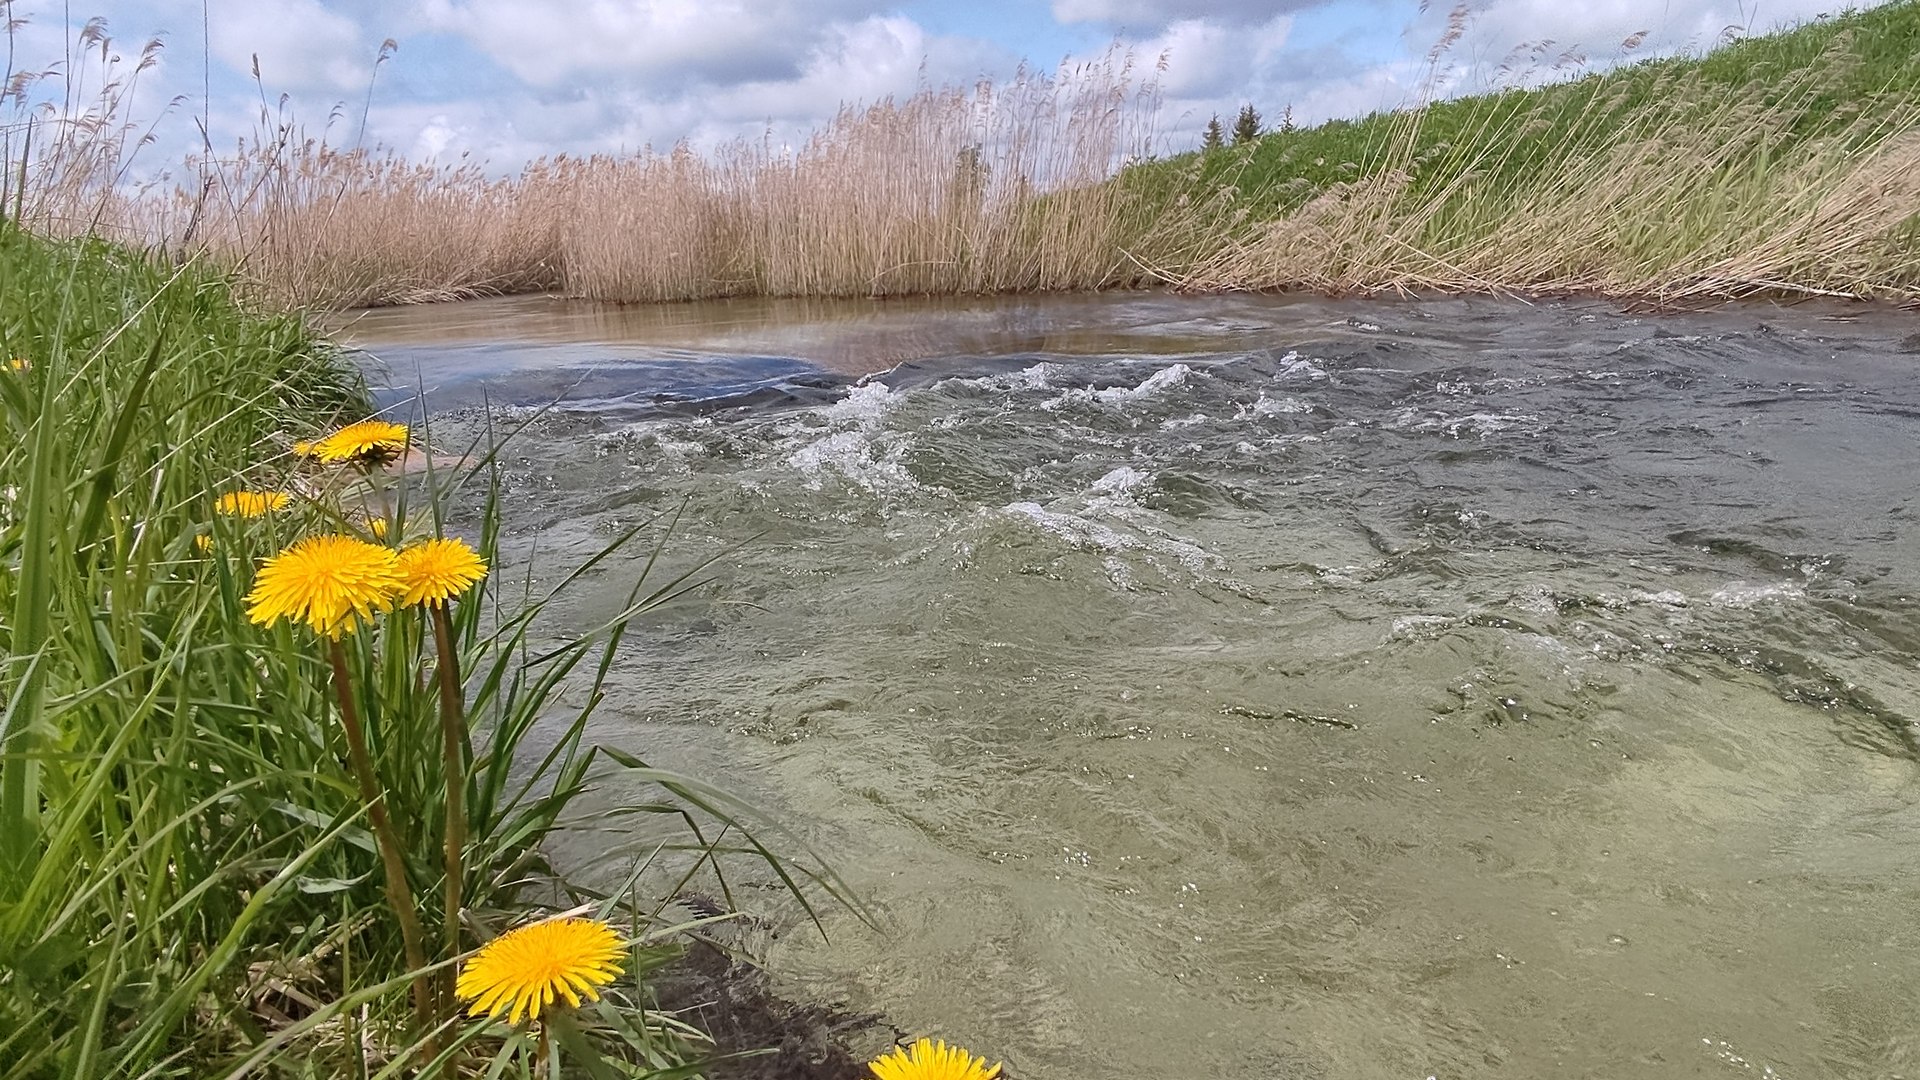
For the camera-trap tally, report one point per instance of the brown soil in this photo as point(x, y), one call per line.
point(734, 1002)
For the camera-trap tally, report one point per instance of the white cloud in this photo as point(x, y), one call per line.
point(1147, 14)
point(301, 45)
point(847, 63)
point(1207, 59)
point(862, 62)
point(509, 80)
point(660, 42)
point(1530, 41)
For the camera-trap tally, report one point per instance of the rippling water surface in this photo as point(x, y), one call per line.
point(1262, 688)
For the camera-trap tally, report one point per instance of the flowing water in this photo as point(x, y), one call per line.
point(1261, 688)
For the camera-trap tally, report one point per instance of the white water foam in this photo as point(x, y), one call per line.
point(857, 459)
point(1298, 368)
point(1422, 627)
point(1472, 424)
point(1038, 377)
point(1745, 594)
point(1267, 406)
point(1083, 532)
point(860, 453)
point(1079, 533)
point(1164, 379)
point(1123, 481)
point(866, 404)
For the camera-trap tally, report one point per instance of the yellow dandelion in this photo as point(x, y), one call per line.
point(305, 448)
point(369, 441)
point(523, 971)
point(378, 527)
point(929, 1060)
point(435, 571)
point(203, 543)
point(19, 363)
point(251, 503)
point(328, 582)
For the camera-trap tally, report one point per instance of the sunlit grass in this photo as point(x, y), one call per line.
point(267, 773)
point(1786, 164)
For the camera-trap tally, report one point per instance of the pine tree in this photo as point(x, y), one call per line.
point(1247, 127)
point(1214, 138)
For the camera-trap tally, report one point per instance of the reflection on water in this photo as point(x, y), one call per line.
point(533, 349)
point(1251, 688)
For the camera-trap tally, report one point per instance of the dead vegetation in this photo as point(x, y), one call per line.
point(1658, 182)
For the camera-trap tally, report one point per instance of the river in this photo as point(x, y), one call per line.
point(1259, 687)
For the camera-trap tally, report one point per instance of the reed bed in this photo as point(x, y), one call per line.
point(987, 188)
point(1782, 164)
point(313, 225)
point(994, 188)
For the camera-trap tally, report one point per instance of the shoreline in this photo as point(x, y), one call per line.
point(1773, 166)
point(1651, 303)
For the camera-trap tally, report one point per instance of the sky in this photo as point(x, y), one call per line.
point(507, 81)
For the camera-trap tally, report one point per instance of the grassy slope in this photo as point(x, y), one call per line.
point(1885, 46)
point(1782, 163)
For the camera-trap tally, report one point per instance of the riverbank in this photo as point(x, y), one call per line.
point(1784, 165)
point(234, 845)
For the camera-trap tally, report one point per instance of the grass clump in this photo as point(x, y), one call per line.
point(258, 799)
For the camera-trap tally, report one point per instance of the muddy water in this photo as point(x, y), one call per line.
point(1257, 688)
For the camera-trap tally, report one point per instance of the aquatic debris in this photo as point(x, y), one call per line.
point(1290, 714)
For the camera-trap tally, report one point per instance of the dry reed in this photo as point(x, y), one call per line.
point(1682, 192)
point(993, 189)
point(985, 189)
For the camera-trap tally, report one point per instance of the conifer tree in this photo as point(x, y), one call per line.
point(1214, 138)
point(1246, 127)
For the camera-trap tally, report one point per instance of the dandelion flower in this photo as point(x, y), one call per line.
point(327, 582)
point(435, 571)
point(19, 363)
point(377, 526)
point(929, 1060)
point(251, 503)
point(305, 448)
point(369, 441)
point(203, 543)
point(523, 971)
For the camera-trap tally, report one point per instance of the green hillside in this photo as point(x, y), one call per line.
point(1679, 157)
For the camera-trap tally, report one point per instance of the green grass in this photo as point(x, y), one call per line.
point(1777, 163)
point(1879, 54)
point(188, 884)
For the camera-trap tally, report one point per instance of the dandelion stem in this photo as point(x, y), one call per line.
point(394, 868)
point(454, 753)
